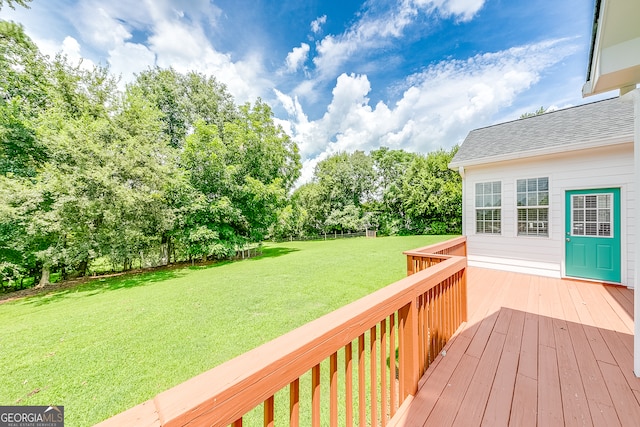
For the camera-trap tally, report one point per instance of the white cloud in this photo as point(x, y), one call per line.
point(99, 28)
point(126, 59)
point(286, 101)
point(173, 36)
point(71, 48)
point(317, 24)
point(297, 57)
point(462, 10)
point(372, 32)
point(178, 43)
point(438, 107)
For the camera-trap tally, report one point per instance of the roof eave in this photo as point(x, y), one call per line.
point(624, 139)
point(612, 66)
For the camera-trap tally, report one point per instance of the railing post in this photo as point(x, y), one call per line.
point(410, 265)
point(409, 348)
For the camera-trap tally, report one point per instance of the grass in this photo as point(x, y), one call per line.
point(109, 344)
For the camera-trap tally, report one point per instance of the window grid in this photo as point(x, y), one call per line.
point(591, 215)
point(489, 207)
point(533, 206)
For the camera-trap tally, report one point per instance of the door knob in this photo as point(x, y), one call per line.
point(568, 239)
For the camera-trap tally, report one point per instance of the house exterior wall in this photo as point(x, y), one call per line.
point(603, 167)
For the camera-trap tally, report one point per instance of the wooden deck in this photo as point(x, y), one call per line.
point(535, 351)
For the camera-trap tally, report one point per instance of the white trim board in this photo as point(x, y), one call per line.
point(516, 266)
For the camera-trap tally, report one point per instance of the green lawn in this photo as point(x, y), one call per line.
point(112, 343)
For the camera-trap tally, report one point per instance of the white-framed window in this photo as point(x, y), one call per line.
point(533, 206)
point(489, 207)
point(592, 215)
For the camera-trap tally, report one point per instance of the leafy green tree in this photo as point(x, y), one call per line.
point(24, 86)
point(101, 190)
point(432, 195)
point(311, 208)
point(205, 98)
point(17, 249)
point(346, 179)
point(89, 172)
point(184, 100)
point(343, 181)
point(349, 218)
point(162, 87)
point(538, 112)
point(391, 167)
point(291, 222)
point(209, 219)
point(266, 165)
point(241, 181)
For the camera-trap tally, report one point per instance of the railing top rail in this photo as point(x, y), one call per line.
point(221, 394)
point(426, 255)
point(436, 247)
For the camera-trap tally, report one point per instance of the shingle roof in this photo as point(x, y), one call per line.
point(569, 129)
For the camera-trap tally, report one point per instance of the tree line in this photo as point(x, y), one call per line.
point(170, 168)
point(391, 191)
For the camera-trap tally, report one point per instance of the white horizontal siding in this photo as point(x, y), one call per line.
point(594, 168)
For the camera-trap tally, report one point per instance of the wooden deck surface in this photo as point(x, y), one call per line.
point(535, 351)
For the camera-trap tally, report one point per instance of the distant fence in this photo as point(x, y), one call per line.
point(328, 236)
point(249, 252)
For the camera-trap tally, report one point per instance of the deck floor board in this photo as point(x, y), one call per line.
point(534, 351)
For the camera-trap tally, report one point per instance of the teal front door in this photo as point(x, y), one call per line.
point(592, 236)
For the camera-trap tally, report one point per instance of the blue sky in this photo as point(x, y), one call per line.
point(347, 75)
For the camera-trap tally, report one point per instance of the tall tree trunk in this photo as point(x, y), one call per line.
point(44, 279)
point(36, 272)
point(82, 268)
point(164, 250)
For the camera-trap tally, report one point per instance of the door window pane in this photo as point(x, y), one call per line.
point(591, 215)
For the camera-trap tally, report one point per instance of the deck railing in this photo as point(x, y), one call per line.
point(354, 366)
point(425, 257)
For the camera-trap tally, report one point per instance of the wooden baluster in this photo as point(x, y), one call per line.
point(392, 362)
point(348, 384)
point(269, 412)
point(446, 311)
point(421, 334)
point(361, 382)
point(430, 327)
point(458, 292)
point(383, 372)
point(439, 318)
point(333, 390)
point(315, 396)
point(294, 403)
point(454, 304)
point(464, 294)
point(373, 368)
